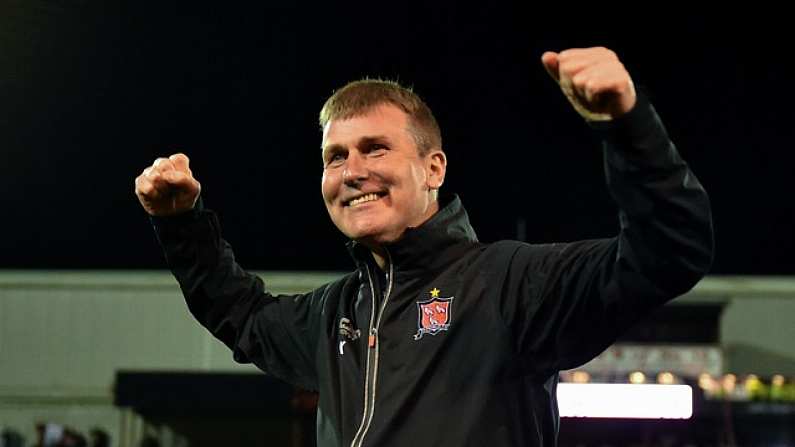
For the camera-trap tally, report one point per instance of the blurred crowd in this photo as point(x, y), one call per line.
point(56, 435)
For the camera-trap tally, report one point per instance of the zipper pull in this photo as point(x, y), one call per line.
point(371, 339)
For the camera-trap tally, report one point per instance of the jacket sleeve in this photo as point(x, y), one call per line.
point(575, 299)
point(276, 333)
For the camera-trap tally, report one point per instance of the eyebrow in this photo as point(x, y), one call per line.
point(363, 141)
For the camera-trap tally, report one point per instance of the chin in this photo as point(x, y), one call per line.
point(372, 235)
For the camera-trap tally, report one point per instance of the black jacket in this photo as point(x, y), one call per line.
point(460, 343)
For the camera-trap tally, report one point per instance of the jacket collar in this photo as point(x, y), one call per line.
point(429, 246)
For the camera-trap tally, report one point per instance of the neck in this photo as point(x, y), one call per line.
point(380, 256)
point(379, 252)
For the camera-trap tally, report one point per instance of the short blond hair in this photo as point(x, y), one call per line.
point(359, 97)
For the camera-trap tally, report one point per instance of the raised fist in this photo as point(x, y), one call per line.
point(167, 187)
point(594, 81)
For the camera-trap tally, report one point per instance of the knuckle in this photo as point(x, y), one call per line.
point(606, 54)
point(163, 164)
point(566, 69)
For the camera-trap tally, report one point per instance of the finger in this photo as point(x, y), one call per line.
point(550, 61)
point(572, 62)
point(180, 161)
point(587, 53)
point(152, 174)
point(158, 179)
point(603, 77)
point(617, 96)
point(607, 85)
point(180, 180)
point(162, 165)
point(145, 188)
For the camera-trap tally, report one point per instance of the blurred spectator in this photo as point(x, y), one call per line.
point(72, 438)
point(49, 434)
point(10, 438)
point(56, 435)
point(149, 441)
point(99, 437)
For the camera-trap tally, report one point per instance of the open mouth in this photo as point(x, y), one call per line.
point(364, 198)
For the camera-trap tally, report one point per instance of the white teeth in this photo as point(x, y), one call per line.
point(365, 198)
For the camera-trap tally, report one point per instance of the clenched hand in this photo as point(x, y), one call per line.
point(594, 80)
point(167, 187)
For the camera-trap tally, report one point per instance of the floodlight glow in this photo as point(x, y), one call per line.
point(616, 400)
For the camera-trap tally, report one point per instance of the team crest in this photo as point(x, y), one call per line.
point(434, 315)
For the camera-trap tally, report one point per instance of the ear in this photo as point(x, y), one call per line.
point(435, 168)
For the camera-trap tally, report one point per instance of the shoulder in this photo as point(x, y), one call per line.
point(334, 289)
point(522, 255)
point(517, 251)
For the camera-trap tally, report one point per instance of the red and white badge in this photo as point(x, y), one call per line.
point(434, 315)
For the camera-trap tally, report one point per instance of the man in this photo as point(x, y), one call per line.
point(436, 338)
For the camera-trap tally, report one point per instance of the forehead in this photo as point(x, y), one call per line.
point(384, 119)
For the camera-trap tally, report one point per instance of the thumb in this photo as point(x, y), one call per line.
point(550, 61)
point(180, 161)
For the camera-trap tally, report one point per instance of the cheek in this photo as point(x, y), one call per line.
point(327, 186)
point(416, 176)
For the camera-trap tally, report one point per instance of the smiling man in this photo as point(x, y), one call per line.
point(437, 338)
point(382, 162)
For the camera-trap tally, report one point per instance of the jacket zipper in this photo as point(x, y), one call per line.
point(372, 357)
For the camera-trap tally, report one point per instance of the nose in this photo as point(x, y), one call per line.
point(355, 169)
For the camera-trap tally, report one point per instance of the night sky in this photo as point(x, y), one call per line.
point(92, 92)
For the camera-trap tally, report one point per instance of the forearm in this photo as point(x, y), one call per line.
point(218, 292)
point(666, 223)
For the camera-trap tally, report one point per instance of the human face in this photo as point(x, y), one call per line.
point(375, 183)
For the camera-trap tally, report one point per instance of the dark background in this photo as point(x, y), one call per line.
point(92, 92)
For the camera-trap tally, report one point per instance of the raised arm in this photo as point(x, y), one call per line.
point(575, 299)
point(277, 333)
